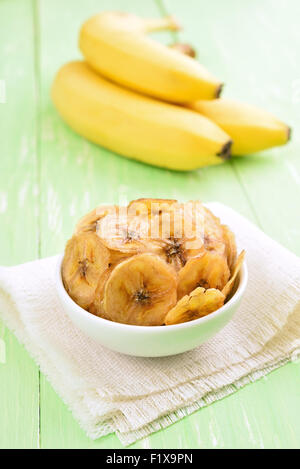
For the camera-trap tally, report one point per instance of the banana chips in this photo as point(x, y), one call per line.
point(154, 262)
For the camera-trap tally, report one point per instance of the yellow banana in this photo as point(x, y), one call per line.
point(251, 129)
point(116, 45)
point(136, 126)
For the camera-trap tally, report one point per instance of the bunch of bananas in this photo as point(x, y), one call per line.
point(154, 262)
point(155, 103)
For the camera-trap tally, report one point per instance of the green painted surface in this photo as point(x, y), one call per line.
point(49, 177)
point(19, 377)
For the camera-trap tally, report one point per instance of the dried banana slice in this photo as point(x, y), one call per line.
point(197, 304)
point(159, 214)
point(179, 239)
point(134, 231)
point(121, 235)
point(205, 226)
point(175, 251)
point(236, 269)
point(213, 232)
point(140, 291)
point(90, 221)
point(150, 206)
point(209, 270)
point(231, 249)
point(96, 307)
point(85, 260)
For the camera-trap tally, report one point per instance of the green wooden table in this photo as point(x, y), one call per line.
point(49, 177)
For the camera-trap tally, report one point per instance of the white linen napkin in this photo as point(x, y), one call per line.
point(109, 392)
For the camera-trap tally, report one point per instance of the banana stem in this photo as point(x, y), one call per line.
point(161, 24)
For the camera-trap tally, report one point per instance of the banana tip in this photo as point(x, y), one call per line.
point(184, 48)
point(289, 133)
point(219, 90)
point(225, 152)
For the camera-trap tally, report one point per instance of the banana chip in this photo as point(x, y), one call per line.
point(212, 226)
point(90, 221)
point(122, 234)
point(158, 214)
point(177, 251)
point(96, 307)
point(197, 304)
point(231, 249)
point(209, 270)
point(151, 206)
point(236, 269)
point(140, 291)
point(174, 235)
point(85, 261)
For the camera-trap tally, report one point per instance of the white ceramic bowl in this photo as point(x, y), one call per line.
point(150, 341)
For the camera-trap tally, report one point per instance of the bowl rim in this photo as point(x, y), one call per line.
point(63, 294)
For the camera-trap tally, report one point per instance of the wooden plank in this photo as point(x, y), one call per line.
point(76, 176)
point(253, 47)
point(19, 377)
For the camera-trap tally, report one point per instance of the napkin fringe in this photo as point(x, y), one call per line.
point(129, 437)
point(283, 346)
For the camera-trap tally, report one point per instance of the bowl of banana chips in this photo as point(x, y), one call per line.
point(154, 278)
